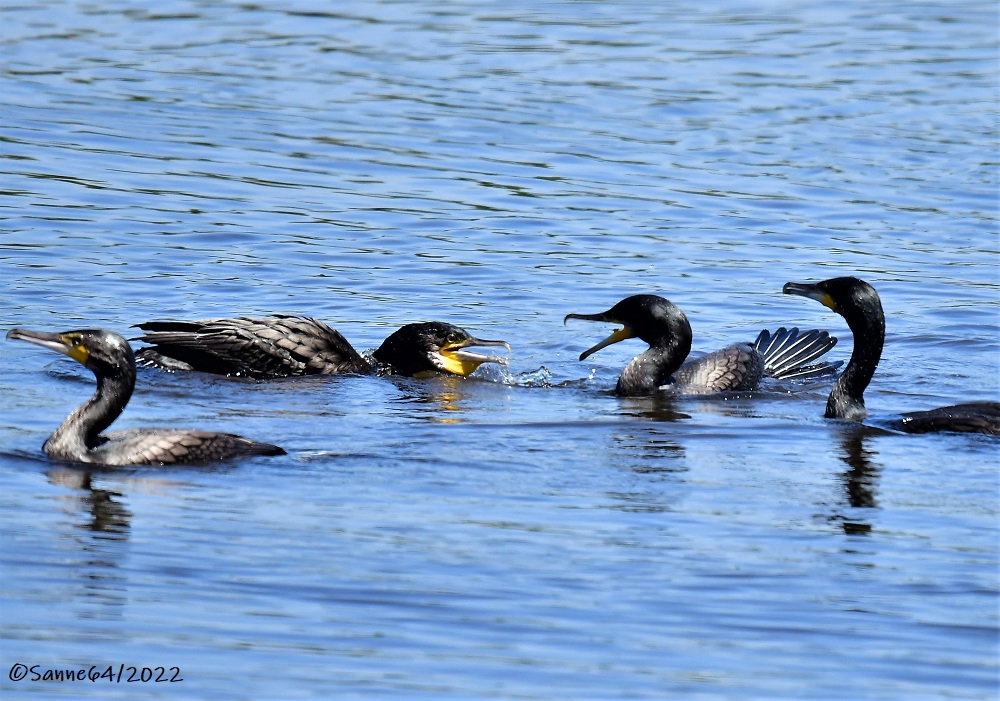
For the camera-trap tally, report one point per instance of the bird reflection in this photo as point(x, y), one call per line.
point(106, 515)
point(654, 408)
point(442, 399)
point(104, 529)
point(657, 464)
point(651, 454)
point(436, 400)
point(860, 480)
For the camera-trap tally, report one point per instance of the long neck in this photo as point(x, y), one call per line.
point(652, 368)
point(847, 400)
point(77, 435)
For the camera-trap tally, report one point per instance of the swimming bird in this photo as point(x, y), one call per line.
point(79, 437)
point(861, 307)
point(738, 367)
point(286, 346)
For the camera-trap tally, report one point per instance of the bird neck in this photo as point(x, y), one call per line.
point(652, 368)
point(78, 434)
point(847, 400)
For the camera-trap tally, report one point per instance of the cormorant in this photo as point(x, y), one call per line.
point(79, 438)
point(738, 367)
point(859, 304)
point(286, 346)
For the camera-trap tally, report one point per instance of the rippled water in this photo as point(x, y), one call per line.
point(497, 165)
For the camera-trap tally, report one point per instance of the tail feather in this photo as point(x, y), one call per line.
point(790, 354)
point(766, 343)
point(812, 372)
point(796, 349)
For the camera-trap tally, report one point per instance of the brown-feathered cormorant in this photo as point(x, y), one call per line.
point(79, 437)
point(286, 346)
point(859, 304)
point(738, 367)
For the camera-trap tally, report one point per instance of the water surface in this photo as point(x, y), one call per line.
point(524, 533)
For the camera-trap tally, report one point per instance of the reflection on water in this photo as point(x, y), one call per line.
point(659, 463)
point(98, 541)
point(861, 480)
point(107, 514)
point(657, 408)
point(440, 399)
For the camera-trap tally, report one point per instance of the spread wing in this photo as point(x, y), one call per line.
point(788, 353)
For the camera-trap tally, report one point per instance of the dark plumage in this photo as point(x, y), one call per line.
point(971, 417)
point(433, 346)
point(861, 307)
point(738, 367)
point(287, 346)
point(79, 437)
point(258, 347)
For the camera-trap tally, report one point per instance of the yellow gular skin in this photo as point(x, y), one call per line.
point(456, 365)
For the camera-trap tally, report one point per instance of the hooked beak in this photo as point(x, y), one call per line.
point(61, 342)
point(811, 291)
point(459, 361)
point(618, 335)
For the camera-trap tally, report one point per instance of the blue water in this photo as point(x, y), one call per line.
point(522, 534)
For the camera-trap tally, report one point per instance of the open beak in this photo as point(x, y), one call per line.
point(61, 342)
point(459, 361)
point(619, 334)
point(811, 291)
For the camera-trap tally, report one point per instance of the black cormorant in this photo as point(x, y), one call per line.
point(79, 438)
point(859, 304)
point(738, 367)
point(286, 346)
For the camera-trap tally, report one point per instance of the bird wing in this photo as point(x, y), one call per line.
point(166, 446)
point(787, 353)
point(273, 346)
point(734, 368)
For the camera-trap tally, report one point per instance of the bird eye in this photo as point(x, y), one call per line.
point(452, 337)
